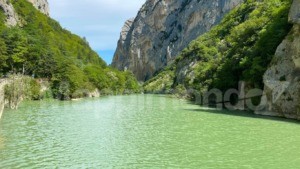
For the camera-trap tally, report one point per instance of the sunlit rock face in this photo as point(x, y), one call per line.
point(282, 79)
point(41, 5)
point(162, 29)
point(12, 18)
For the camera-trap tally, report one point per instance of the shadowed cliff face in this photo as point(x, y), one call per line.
point(162, 29)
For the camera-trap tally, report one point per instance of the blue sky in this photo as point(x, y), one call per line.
point(100, 21)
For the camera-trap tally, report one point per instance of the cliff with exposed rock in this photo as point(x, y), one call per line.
point(282, 79)
point(162, 29)
point(41, 5)
point(12, 18)
point(257, 43)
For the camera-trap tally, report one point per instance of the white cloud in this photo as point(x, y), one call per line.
point(100, 21)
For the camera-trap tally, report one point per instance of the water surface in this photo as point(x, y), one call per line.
point(143, 131)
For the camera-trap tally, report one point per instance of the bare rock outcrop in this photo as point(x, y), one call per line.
point(12, 18)
point(162, 29)
point(41, 5)
point(282, 79)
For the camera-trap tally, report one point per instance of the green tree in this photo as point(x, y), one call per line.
point(17, 48)
point(3, 55)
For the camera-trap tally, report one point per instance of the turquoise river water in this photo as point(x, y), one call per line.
point(143, 131)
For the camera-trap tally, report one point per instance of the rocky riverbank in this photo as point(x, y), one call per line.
point(282, 79)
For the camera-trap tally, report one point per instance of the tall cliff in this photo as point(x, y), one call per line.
point(282, 79)
point(162, 29)
point(12, 18)
point(243, 47)
point(41, 5)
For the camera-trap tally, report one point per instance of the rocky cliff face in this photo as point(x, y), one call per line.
point(12, 18)
point(282, 79)
point(41, 5)
point(162, 29)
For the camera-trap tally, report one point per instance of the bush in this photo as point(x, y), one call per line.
point(35, 90)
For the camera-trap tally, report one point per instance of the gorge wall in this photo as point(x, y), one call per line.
point(162, 29)
point(12, 18)
point(282, 79)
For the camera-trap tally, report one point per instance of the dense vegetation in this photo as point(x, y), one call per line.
point(40, 47)
point(240, 48)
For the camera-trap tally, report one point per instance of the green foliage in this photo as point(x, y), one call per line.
point(162, 83)
point(20, 88)
point(240, 48)
point(16, 48)
point(3, 55)
point(110, 81)
point(35, 90)
point(43, 49)
point(2, 18)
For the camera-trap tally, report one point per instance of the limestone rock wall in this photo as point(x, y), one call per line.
point(12, 18)
point(41, 5)
point(162, 29)
point(282, 79)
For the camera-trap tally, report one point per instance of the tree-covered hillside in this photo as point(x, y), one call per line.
point(240, 48)
point(40, 47)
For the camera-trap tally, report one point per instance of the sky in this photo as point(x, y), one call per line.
point(100, 21)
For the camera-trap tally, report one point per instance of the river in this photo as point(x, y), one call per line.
point(143, 131)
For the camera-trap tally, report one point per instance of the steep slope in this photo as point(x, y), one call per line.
point(282, 79)
point(12, 18)
point(8, 12)
point(162, 29)
point(240, 48)
point(40, 47)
